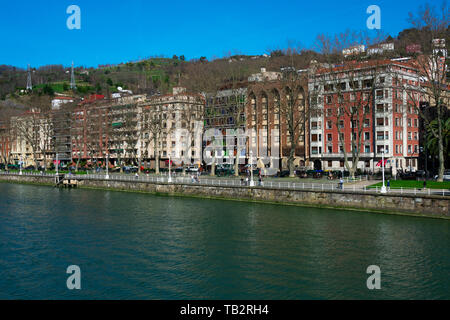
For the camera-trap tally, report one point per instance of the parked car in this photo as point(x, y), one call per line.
point(446, 175)
point(192, 169)
point(408, 176)
point(283, 173)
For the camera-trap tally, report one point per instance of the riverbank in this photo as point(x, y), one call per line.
point(403, 204)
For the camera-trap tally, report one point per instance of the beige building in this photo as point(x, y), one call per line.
point(171, 126)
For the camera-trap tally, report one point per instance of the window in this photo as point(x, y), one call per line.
point(366, 123)
point(330, 164)
point(367, 149)
point(314, 137)
point(380, 135)
point(328, 99)
point(366, 136)
point(329, 137)
point(329, 125)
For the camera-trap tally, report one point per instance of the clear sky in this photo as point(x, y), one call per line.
point(115, 31)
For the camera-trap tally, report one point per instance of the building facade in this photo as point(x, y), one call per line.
point(171, 126)
point(365, 106)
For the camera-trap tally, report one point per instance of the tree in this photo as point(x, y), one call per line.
point(191, 118)
point(343, 87)
point(292, 109)
point(432, 88)
point(347, 93)
point(432, 143)
point(153, 119)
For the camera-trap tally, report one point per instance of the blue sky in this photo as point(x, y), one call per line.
point(114, 31)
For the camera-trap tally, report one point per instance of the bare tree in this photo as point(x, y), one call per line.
point(346, 92)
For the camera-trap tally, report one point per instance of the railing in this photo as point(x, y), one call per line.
point(221, 182)
point(28, 173)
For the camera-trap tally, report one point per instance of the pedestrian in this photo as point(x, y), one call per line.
point(246, 181)
point(259, 181)
point(389, 185)
point(242, 181)
point(424, 184)
point(341, 183)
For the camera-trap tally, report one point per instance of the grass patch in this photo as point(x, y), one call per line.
point(414, 184)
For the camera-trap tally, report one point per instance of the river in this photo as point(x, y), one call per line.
point(141, 246)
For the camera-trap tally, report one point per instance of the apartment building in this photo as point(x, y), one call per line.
point(267, 113)
point(31, 138)
point(366, 106)
point(106, 128)
point(171, 126)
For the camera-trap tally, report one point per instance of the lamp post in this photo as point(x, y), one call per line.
point(170, 175)
point(383, 187)
point(20, 165)
point(107, 166)
point(57, 164)
point(252, 183)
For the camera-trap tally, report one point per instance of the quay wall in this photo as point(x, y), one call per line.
point(417, 205)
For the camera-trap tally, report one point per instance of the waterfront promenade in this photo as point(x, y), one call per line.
point(428, 203)
point(360, 184)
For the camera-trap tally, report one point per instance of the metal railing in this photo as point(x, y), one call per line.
point(222, 182)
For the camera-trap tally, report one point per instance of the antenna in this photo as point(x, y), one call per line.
point(72, 79)
point(29, 85)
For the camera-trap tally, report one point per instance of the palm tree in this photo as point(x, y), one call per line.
point(432, 140)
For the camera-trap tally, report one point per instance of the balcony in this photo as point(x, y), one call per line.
point(341, 155)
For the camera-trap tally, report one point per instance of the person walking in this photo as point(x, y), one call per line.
point(389, 185)
point(341, 183)
point(424, 184)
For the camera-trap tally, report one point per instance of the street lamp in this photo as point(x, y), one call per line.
point(383, 187)
point(57, 164)
point(252, 183)
point(170, 175)
point(107, 166)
